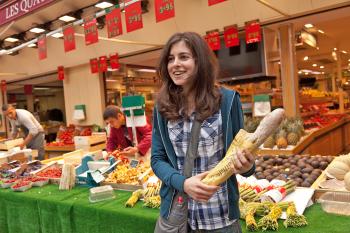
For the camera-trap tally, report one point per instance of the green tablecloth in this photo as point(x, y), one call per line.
point(48, 210)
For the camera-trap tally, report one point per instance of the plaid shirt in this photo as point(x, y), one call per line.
point(214, 213)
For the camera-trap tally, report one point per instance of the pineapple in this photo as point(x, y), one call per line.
point(281, 139)
point(270, 142)
point(294, 134)
point(250, 124)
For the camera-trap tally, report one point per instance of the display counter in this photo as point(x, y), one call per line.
point(47, 209)
point(329, 140)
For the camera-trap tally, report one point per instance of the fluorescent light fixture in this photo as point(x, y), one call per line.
point(41, 88)
point(320, 31)
point(11, 39)
point(306, 71)
point(343, 51)
point(315, 72)
point(308, 25)
point(111, 80)
point(147, 70)
point(321, 67)
point(37, 30)
point(314, 65)
point(103, 4)
point(306, 58)
point(57, 35)
point(32, 45)
point(67, 18)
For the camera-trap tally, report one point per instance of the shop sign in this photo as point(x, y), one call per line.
point(231, 36)
point(213, 39)
point(213, 2)
point(90, 30)
point(133, 17)
point(42, 49)
point(28, 89)
point(60, 73)
point(164, 9)
point(68, 38)
point(94, 65)
point(103, 64)
point(114, 61)
point(253, 33)
point(3, 85)
point(16, 9)
point(114, 23)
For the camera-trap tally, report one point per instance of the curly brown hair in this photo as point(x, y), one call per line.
point(171, 98)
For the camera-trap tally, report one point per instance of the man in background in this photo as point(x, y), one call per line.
point(121, 137)
point(33, 131)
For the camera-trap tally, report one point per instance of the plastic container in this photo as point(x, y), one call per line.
point(39, 181)
point(101, 193)
point(22, 188)
point(6, 184)
point(336, 202)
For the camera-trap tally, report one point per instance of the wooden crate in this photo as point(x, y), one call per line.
point(91, 143)
point(48, 166)
point(10, 143)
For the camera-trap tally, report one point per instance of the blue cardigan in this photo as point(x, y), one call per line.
point(164, 160)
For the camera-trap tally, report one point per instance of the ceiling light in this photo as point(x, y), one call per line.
point(322, 72)
point(320, 31)
point(32, 45)
point(335, 49)
point(41, 88)
point(306, 73)
point(103, 4)
point(300, 72)
point(67, 18)
point(147, 70)
point(57, 35)
point(343, 51)
point(3, 51)
point(318, 48)
point(321, 67)
point(314, 65)
point(111, 80)
point(306, 58)
point(11, 39)
point(308, 25)
point(349, 60)
point(37, 30)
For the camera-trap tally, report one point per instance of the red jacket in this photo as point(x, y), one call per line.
point(123, 138)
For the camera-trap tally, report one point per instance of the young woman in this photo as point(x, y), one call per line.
point(188, 69)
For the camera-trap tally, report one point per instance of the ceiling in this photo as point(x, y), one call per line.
point(335, 24)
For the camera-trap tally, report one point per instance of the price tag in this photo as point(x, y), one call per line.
point(134, 163)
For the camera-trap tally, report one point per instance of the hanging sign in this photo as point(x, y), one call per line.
point(60, 73)
point(114, 61)
point(94, 65)
point(164, 9)
point(253, 33)
point(231, 36)
point(114, 23)
point(68, 38)
point(213, 2)
point(90, 29)
point(133, 17)
point(213, 39)
point(103, 64)
point(42, 49)
point(28, 89)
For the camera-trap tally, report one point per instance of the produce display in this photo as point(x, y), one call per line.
point(150, 195)
point(52, 172)
point(308, 92)
point(244, 140)
point(318, 121)
point(125, 174)
point(269, 213)
point(302, 169)
point(340, 170)
point(65, 136)
point(22, 186)
point(289, 133)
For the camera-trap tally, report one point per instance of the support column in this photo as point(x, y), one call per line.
point(289, 72)
point(30, 103)
point(340, 80)
point(82, 87)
